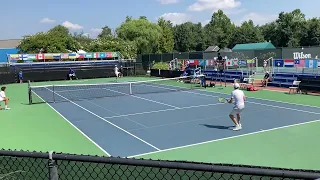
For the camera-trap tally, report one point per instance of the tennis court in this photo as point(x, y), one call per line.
point(137, 119)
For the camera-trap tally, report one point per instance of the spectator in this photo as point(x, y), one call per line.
point(266, 79)
point(265, 65)
point(72, 74)
point(121, 71)
point(20, 77)
point(116, 71)
point(4, 98)
point(203, 81)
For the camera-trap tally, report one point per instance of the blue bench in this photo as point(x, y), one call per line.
point(282, 79)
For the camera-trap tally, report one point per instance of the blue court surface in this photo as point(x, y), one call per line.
point(130, 125)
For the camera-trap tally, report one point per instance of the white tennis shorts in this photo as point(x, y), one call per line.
point(237, 110)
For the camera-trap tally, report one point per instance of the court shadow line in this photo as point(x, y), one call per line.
point(216, 126)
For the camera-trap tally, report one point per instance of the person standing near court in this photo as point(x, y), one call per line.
point(239, 98)
point(20, 75)
point(4, 98)
point(116, 71)
point(220, 63)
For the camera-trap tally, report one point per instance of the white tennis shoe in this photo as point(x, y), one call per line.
point(237, 128)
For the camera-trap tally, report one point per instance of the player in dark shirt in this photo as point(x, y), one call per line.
point(266, 79)
point(220, 63)
point(72, 74)
point(20, 77)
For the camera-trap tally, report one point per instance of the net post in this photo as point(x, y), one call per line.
point(130, 88)
point(29, 92)
point(53, 96)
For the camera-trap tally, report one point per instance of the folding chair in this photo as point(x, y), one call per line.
point(246, 81)
point(295, 86)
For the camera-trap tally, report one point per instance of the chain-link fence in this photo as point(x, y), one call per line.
point(52, 166)
point(279, 53)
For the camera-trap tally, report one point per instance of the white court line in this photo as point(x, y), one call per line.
point(144, 99)
point(195, 120)
point(164, 110)
point(232, 137)
point(213, 92)
point(115, 113)
point(73, 125)
point(107, 121)
point(310, 112)
point(265, 99)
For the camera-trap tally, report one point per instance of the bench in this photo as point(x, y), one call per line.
point(309, 85)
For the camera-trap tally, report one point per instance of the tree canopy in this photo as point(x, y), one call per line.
point(140, 36)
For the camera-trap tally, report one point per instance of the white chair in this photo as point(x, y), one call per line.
point(246, 81)
point(294, 87)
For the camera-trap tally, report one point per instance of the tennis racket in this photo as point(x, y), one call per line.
point(222, 100)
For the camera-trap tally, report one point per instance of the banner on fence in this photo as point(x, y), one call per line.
point(12, 58)
point(288, 63)
point(278, 62)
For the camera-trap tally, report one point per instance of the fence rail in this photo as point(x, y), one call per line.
point(54, 166)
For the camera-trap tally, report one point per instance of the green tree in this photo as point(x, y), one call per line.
point(145, 34)
point(269, 32)
point(126, 48)
point(56, 40)
point(61, 30)
point(105, 33)
point(198, 43)
point(189, 37)
point(219, 30)
point(82, 38)
point(311, 37)
point(290, 28)
point(182, 34)
point(166, 42)
point(246, 33)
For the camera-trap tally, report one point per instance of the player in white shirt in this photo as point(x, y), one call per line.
point(4, 98)
point(116, 71)
point(239, 98)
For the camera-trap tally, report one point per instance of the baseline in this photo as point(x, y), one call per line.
point(232, 137)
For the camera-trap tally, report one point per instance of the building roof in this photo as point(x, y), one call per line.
point(213, 48)
point(254, 46)
point(225, 50)
point(10, 43)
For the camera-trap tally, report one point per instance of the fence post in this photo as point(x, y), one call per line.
point(53, 169)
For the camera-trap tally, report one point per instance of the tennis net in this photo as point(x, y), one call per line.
point(73, 92)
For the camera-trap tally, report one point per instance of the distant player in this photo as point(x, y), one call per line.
point(4, 98)
point(239, 98)
point(116, 71)
point(265, 65)
point(20, 77)
point(72, 74)
point(121, 71)
point(220, 63)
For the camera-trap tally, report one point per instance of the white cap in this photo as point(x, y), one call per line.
point(236, 85)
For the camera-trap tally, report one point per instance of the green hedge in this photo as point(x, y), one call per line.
point(161, 66)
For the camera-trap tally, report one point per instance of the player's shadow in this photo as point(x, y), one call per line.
point(216, 126)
